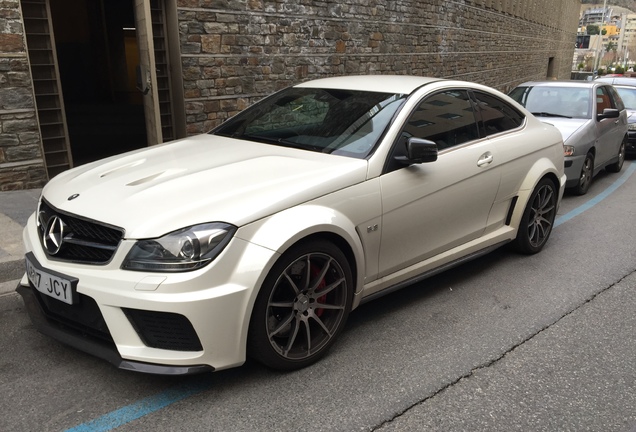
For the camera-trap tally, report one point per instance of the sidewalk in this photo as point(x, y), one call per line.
point(15, 209)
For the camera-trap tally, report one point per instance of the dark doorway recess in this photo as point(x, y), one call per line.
point(97, 56)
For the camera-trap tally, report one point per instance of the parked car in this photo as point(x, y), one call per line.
point(260, 237)
point(626, 88)
point(592, 119)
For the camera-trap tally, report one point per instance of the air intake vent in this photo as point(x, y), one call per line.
point(164, 330)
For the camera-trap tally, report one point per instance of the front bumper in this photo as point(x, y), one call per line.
point(128, 317)
point(47, 324)
point(573, 166)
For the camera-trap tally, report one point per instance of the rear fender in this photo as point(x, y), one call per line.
point(542, 168)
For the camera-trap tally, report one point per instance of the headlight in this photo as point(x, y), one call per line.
point(631, 126)
point(183, 250)
point(568, 150)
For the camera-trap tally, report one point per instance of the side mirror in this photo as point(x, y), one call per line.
point(421, 150)
point(418, 151)
point(608, 113)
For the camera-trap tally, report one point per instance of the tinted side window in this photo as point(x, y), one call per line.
point(603, 100)
point(496, 115)
point(447, 118)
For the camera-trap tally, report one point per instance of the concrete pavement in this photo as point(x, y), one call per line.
point(15, 209)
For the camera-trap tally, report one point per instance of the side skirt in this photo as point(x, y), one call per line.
point(432, 272)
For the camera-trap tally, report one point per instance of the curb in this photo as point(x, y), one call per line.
point(10, 270)
point(8, 287)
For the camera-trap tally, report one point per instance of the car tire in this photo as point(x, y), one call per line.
point(586, 176)
point(538, 218)
point(618, 165)
point(302, 306)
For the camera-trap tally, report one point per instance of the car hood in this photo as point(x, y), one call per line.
point(631, 116)
point(565, 125)
point(205, 178)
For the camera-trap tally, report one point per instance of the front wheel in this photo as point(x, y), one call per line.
point(585, 178)
point(618, 165)
point(302, 306)
point(538, 219)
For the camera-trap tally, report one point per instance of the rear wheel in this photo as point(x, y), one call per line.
point(302, 306)
point(618, 165)
point(585, 178)
point(538, 219)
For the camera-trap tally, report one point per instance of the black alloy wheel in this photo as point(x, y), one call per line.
point(538, 218)
point(302, 306)
point(618, 165)
point(585, 178)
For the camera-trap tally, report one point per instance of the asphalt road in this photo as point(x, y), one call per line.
point(505, 342)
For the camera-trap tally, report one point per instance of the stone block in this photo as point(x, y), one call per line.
point(22, 153)
point(28, 125)
point(15, 98)
point(211, 43)
point(11, 43)
point(7, 140)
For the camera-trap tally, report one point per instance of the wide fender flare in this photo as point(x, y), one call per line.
point(281, 231)
point(543, 167)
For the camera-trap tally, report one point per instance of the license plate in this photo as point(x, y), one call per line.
point(52, 284)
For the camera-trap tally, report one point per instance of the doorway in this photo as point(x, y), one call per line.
point(97, 57)
point(84, 57)
point(550, 74)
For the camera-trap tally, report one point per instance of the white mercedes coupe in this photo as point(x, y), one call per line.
point(259, 238)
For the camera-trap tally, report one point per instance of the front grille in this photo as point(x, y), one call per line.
point(83, 317)
point(84, 241)
point(164, 330)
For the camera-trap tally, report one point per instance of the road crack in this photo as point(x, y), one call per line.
point(496, 360)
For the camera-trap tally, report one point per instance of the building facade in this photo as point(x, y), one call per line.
point(628, 36)
point(85, 79)
point(595, 16)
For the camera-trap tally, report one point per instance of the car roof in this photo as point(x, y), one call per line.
point(556, 83)
point(618, 80)
point(404, 84)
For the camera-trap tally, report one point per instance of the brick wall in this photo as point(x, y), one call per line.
point(21, 164)
point(236, 51)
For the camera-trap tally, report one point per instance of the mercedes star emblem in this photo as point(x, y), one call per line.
point(53, 235)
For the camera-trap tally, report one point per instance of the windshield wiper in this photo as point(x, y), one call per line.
point(547, 114)
point(282, 142)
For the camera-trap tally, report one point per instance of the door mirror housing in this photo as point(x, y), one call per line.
point(420, 151)
point(417, 151)
point(608, 113)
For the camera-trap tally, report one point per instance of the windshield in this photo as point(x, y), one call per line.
point(551, 101)
point(342, 122)
point(628, 95)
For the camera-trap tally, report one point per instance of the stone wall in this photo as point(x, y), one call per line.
point(236, 51)
point(21, 164)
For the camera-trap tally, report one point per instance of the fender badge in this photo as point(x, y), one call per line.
point(72, 197)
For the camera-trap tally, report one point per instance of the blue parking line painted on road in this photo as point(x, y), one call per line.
point(141, 408)
point(151, 404)
point(598, 198)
